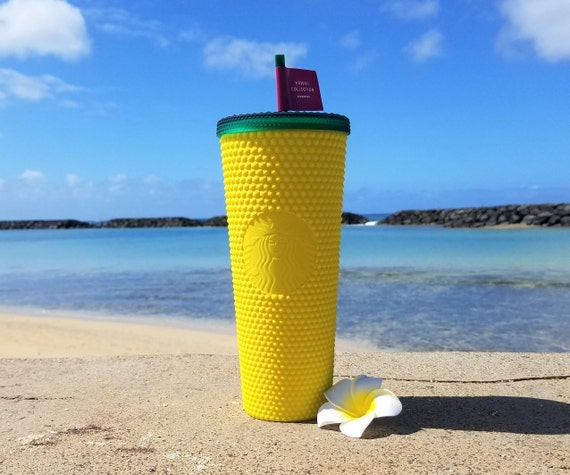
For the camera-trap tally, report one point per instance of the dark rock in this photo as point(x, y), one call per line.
point(532, 215)
point(554, 220)
point(170, 222)
point(529, 219)
point(151, 223)
point(563, 210)
point(45, 224)
point(217, 221)
point(351, 218)
point(542, 218)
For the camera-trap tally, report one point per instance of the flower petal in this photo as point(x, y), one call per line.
point(340, 396)
point(329, 414)
point(362, 392)
point(385, 404)
point(365, 384)
point(356, 427)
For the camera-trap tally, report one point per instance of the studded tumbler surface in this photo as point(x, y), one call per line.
point(283, 179)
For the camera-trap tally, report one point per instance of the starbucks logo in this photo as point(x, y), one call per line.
point(279, 252)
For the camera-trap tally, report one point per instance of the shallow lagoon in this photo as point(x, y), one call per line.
point(401, 288)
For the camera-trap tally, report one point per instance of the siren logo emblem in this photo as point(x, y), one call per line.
point(279, 252)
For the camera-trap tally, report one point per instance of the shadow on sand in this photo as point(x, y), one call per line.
point(518, 415)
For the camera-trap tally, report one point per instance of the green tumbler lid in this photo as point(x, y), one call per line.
point(283, 121)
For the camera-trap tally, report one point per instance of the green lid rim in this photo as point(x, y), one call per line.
point(282, 121)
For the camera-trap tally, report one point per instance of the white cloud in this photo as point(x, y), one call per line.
point(427, 46)
point(250, 58)
point(72, 180)
point(33, 195)
point(120, 22)
point(31, 88)
point(152, 185)
point(411, 9)
point(30, 185)
point(117, 183)
point(152, 180)
point(362, 61)
point(351, 40)
point(543, 23)
point(32, 176)
point(77, 188)
point(191, 33)
point(118, 178)
point(42, 27)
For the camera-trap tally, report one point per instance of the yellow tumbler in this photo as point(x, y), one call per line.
point(283, 181)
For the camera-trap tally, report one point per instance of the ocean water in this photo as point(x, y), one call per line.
point(401, 288)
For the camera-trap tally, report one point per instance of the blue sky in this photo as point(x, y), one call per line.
point(108, 108)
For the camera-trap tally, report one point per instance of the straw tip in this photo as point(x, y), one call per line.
point(279, 60)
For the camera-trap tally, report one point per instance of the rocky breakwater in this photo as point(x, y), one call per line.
point(507, 215)
point(351, 218)
point(176, 222)
point(151, 223)
point(112, 223)
point(347, 218)
point(44, 224)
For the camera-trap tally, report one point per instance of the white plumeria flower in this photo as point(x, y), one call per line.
point(354, 404)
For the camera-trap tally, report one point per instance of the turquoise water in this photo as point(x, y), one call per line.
point(401, 288)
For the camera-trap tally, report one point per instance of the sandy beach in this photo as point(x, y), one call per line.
point(110, 397)
point(63, 335)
